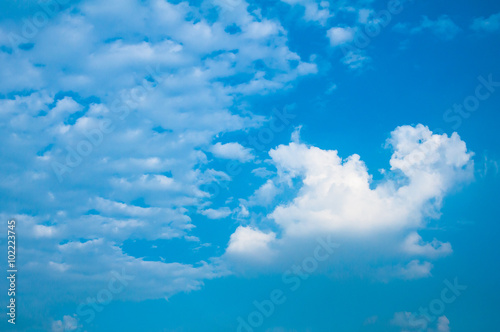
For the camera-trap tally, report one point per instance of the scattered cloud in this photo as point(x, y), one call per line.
point(486, 24)
point(217, 213)
point(356, 60)
point(414, 245)
point(166, 81)
point(232, 151)
point(414, 270)
point(68, 323)
point(340, 35)
point(443, 27)
point(408, 322)
point(313, 11)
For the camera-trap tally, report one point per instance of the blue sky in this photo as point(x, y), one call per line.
point(278, 166)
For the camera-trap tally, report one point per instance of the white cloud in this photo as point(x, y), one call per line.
point(264, 29)
point(408, 322)
point(314, 11)
point(414, 270)
point(234, 151)
point(355, 60)
point(265, 194)
point(262, 172)
point(340, 35)
point(68, 323)
point(251, 243)
point(443, 324)
point(217, 213)
point(414, 245)
point(172, 65)
point(43, 231)
point(70, 264)
point(364, 14)
point(317, 12)
point(489, 24)
point(336, 196)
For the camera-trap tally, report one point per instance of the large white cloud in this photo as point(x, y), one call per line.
point(337, 194)
point(338, 197)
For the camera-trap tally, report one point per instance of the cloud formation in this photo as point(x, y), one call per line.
point(337, 196)
point(486, 24)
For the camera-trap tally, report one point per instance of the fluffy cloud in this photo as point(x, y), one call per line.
point(336, 196)
point(336, 193)
point(86, 265)
point(251, 243)
point(414, 245)
point(340, 35)
point(232, 151)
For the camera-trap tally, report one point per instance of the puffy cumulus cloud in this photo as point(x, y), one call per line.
point(339, 35)
point(337, 196)
point(251, 244)
point(413, 244)
point(336, 193)
point(487, 24)
point(234, 151)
